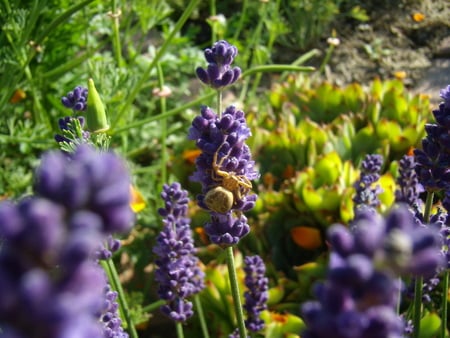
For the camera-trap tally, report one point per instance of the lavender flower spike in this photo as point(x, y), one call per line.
point(257, 292)
point(178, 272)
point(361, 292)
point(409, 188)
point(76, 99)
point(225, 170)
point(219, 72)
point(366, 194)
point(434, 158)
point(94, 186)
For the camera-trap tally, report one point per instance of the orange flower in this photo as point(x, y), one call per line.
point(306, 237)
point(18, 96)
point(190, 155)
point(137, 203)
point(418, 17)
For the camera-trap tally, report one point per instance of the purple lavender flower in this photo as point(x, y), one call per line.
point(178, 272)
point(112, 324)
point(70, 132)
point(92, 181)
point(434, 158)
point(49, 283)
point(256, 294)
point(225, 163)
point(409, 188)
point(359, 297)
point(366, 193)
point(219, 72)
point(397, 242)
point(109, 246)
point(76, 99)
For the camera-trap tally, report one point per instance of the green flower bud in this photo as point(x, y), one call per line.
point(95, 112)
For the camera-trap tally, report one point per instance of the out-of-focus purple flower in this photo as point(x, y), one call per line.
point(225, 163)
point(76, 99)
point(396, 242)
point(256, 294)
point(49, 283)
point(89, 180)
point(409, 188)
point(367, 192)
point(109, 317)
point(178, 272)
point(433, 159)
point(219, 72)
point(359, 297)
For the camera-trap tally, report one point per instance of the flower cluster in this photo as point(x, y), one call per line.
point(87, 184)
point(76, 99)
point(50, 282)
point(109, 317)
point(366, 193)
point(360, 295)
point(178, 272)
point(72, 129)
point(433, 159)
point(256, 294)
point(409, 187)
point(225, 170)
point(219, 72)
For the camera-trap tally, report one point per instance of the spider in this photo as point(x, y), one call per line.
point(231, 187)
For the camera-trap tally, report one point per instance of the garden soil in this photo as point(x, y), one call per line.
point(409, 40)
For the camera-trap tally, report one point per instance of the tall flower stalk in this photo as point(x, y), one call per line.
point(224, 168)
point(434, 174)
point(178, 272)
point(50, 282)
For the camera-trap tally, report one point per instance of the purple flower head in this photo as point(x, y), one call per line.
point(445, 95)
point(76, 99)
point(256, 294)
point(367, 192)
point(49, 283)
point(219, 72)
point(409, 188)
point(66, 124)
point(178, 272)
point(109, 317)
point(396, 242)
point(225, 170)
point(433, 159)
point(89, 180)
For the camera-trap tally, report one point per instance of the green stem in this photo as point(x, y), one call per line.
point(153, 306)
point(134, 92)
point(201, 316)
point(444, 303)
point(41, 115)
point(277, 68)
point(242, 17)
point(326, 59)
point(213, 12)
point(172, 112)
point(163, 125)
point(179, 326)
point(419, 280)
point(110, 268)
point(235, 292)
point(115, 14)
point(219, 103)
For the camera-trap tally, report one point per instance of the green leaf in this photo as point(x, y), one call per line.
point(429, 325)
